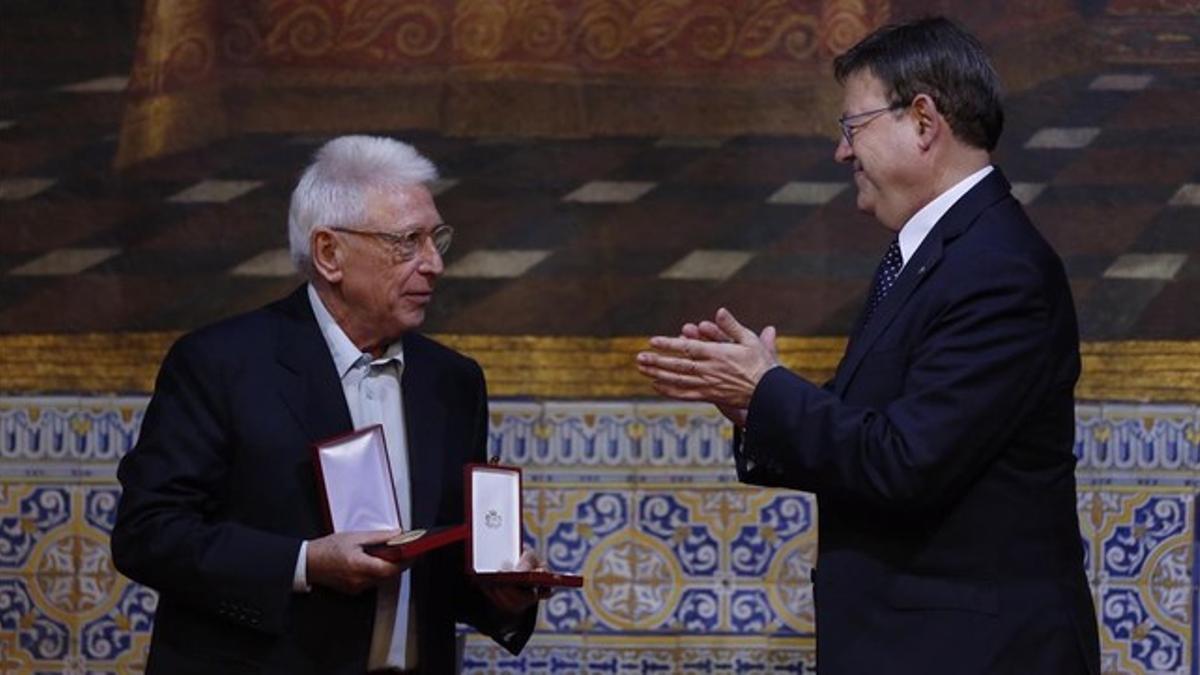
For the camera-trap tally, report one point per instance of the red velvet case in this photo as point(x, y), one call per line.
point(407, 551)
point(328, 449)
point(364, 498)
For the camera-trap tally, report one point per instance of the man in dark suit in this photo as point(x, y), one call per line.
point(941, 452)
point(221, 511)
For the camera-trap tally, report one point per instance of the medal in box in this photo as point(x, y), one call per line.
point(493, 496)
point(356, 483)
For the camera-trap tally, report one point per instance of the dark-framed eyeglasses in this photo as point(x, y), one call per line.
point(404, 246)
point(849, 127)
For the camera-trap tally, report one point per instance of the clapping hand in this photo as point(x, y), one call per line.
point(718, 361)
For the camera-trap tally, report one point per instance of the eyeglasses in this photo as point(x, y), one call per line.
point(405, 246)
point(849, 129)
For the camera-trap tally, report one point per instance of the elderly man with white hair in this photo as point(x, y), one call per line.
point(221, 512)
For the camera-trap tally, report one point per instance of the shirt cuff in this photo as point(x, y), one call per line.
point(300, 576)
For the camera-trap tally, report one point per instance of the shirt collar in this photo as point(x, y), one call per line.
point(346, 355)
point(918, 227)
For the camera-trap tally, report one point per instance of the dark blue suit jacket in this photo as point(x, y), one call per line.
point(941, 456)
point(220, 490)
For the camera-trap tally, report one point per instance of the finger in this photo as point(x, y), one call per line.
point(691, 331)
point(676, 383)
point(768, 339)
point(679, 371)
point(377, 536)
point(670, 364)
point(679, 393)
point(377, 568)
point(712, 332)
point(726, 322)
point(526, 562)
point(680, 346)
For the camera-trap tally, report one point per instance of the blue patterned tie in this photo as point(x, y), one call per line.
point(885, 277)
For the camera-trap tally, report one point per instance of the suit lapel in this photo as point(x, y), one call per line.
point(955, 221)
point(309, 384)
point(424, 418)
point(915, 271)
point(312, 391)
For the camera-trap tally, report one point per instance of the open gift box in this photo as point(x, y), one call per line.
point(356, 485)
point(493, 495)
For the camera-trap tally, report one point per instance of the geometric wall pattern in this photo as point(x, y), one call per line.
point(687, 570)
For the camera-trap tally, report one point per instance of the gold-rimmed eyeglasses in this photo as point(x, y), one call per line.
point(849, 127)
point(405, 246)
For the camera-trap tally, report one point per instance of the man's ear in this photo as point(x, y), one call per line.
point(929, 120)
point(327, 255)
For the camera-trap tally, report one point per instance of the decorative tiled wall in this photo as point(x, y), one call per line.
point(688, 571)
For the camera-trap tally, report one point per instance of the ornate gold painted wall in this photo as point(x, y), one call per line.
point(205, 69)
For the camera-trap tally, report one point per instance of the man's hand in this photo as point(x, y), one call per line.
point(339, 562)
point(514, 599)
point(719, 362)
point(711, 332)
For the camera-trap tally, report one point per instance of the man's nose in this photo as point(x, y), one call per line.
point(431, 261)
point(844, 152)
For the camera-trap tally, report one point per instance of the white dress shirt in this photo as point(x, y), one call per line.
point(373, 396)
point(918, 227)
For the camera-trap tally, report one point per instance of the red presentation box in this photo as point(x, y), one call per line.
point(355, 478)
point(356, 483)
point(493, 494)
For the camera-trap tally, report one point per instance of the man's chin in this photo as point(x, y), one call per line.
point(865, 204)
point(410, 320)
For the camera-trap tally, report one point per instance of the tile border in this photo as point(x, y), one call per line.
point(562, 367)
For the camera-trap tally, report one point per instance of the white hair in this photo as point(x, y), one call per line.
point(333, 190)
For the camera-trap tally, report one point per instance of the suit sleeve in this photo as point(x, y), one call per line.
point(508, 630)
point(981, 364)
point(170, 533)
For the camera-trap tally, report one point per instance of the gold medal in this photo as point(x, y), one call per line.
point(405, 537)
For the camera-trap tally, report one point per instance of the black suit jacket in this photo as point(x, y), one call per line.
point(220, 491)
point(941, 456)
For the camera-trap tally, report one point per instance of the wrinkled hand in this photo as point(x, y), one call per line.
point(719, 362)
point(711, 332)
point(514, 599)
point(339, 562)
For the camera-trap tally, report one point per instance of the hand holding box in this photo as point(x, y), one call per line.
point(356, 483)
point(493, 495)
